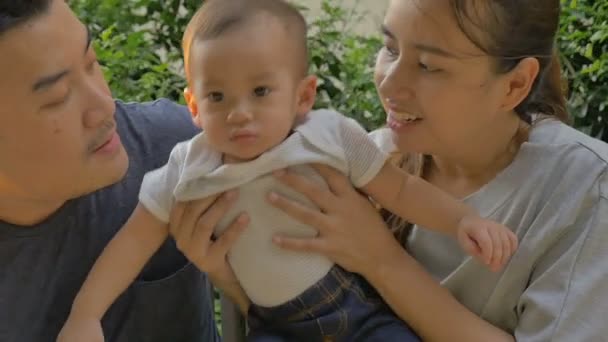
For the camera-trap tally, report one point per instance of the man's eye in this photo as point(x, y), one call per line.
point(261, 91)
point(215, 96)
point(58, 103)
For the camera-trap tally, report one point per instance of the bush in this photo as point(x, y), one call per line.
point(138, 43)
point(343, 62)
point(583, 41)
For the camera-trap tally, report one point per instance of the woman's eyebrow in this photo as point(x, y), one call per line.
point(434, 50)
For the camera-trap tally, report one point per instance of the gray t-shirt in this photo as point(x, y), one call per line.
point(555, 197)
point(42, 267)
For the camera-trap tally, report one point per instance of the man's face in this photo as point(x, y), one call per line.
point(57, 130)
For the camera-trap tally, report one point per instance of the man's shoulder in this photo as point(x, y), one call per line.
point(150, 130)
point(161, 113)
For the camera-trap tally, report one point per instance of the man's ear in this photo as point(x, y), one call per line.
point(519, 82)
point(307, 94)
point(192, 107)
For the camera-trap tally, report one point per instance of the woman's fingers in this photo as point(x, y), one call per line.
point(338, 183)
point(316, 193)
point(310, 216)
point(189, 214)
point(307, 245)
point(198, 221)
point(222, 245)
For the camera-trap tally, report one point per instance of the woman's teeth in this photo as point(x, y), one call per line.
point(403, 116)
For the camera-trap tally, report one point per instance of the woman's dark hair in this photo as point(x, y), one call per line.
point(16, 12)
point(509, 31)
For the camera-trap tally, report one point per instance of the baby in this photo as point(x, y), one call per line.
point(248, 88)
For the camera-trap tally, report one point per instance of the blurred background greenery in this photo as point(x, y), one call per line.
point(138, 43)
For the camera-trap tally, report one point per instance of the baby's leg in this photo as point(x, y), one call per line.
point(369, 319)
point(384, 327)
point(315, 315)
point(262, 336)
point(341, 307)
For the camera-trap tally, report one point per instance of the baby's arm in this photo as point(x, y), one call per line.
point(421, 203)
point(118, 265)
point(415, 200)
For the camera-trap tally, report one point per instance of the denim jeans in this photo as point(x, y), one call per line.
point(341, 307)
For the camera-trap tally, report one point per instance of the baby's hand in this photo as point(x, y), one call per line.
point(79, 329)
point(488, 241)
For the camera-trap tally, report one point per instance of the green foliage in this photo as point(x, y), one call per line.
point(583, 42)
point(343, 61)
point(138, 43)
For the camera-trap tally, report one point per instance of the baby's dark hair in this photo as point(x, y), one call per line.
point(216, 17)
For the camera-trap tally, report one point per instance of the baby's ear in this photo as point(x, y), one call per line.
point(307, 94)
point(192, 107)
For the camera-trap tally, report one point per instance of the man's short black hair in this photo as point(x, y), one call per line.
point(17, 12)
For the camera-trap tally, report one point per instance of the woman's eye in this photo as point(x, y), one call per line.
point(391, 52)
point(261, 91)
point(215, 96)
point(427, 68)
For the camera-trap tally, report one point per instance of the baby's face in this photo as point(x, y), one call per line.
point(246, 89)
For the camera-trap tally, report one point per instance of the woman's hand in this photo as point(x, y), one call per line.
point(351, 231)
point(192, 225)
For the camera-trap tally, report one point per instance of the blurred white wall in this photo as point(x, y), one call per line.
point(373, 10)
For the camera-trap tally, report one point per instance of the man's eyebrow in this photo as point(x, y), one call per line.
point(89, 39)
point(48, 81)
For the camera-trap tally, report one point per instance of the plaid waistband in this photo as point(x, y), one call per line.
point(326, 295)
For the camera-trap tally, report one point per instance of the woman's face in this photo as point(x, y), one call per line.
point(438, 89)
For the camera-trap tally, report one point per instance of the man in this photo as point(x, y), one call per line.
point(71, 162)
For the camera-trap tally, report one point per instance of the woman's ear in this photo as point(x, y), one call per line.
point(307, 94)
point(192, 107)
point(519, 82)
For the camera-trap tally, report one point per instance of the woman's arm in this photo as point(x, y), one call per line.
point(427, 306)
point(352, 234)
point(416, 200)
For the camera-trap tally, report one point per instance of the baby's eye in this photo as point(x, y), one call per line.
point(261, 91)
point(215, 96)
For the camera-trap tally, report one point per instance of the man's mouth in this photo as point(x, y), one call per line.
point(107, 144)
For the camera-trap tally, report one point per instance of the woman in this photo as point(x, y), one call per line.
point(474, 101)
